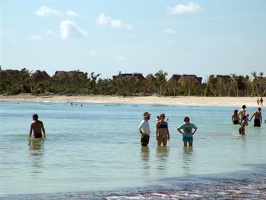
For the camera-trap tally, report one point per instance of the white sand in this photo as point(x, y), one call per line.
point(184, 100)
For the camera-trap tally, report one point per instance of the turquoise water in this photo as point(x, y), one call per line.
point(97, 147)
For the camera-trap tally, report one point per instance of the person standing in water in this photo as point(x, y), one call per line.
point(242, 126)
point(258, 118)
point(235, 117)
point(144, 129)
point(242, 113)
point(162, 131)
point(36, 127)
point(187, 131)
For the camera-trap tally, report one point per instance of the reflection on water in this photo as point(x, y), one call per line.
point(36, 156)
point(187, 159)
point(145, 157)
point(162, 153)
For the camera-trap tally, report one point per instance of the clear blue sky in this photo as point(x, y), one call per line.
point(179, 37)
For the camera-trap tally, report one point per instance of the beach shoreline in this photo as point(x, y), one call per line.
point(154, 100)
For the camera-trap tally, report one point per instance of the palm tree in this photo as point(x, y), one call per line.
point(234, 83)
point(255, 91)
point(160, 77)
point(247, 84)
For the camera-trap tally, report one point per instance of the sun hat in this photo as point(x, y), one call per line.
point(146, 114)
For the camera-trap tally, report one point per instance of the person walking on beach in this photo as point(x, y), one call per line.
point(258, 101)
point(242, 113)
point(258, 118)
point(235, 117)
point(162, 131)
point(242, 126)
point(144, 129)
point(36, 127)
point(187, 132)
point(261, 101)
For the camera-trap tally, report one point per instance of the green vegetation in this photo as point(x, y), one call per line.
point(14, 82)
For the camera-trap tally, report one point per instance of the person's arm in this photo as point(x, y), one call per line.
point(195, 129)
point(30, 130)
point(157, 130)
point(140, 127)
point(43, 130)
point(179, 130)
point(168, 134)
point(252, 116)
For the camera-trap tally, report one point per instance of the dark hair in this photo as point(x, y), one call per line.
point(35, 116)
point(244, 106)
point(186, 119)
point(236, 111)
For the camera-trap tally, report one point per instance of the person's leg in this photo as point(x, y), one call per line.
point(185, 143)
point(190, 143)
point(165, 141)
point(159, 140)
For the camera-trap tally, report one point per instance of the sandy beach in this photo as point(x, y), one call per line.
point(180, 100)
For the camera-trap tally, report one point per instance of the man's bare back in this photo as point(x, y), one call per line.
point(36, 127)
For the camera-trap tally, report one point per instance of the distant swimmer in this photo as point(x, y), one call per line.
point(36, 127)
point(258, 118)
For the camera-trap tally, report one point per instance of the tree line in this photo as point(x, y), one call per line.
point(156, 84)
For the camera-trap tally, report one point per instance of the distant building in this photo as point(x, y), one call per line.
point(9, 74)
point(69, 76)
point(185, 78)
point(39, 76)
point(135, 76)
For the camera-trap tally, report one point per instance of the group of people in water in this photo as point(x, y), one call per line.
point(242, 118)
point(162, 132)
point(187, 129)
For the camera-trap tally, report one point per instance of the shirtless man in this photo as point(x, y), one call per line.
point(36, 127)
point(258, 117)
point(242, 113)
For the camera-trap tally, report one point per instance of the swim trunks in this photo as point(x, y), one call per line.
point(37, 135)
point(145, 140)
point(257, 122)
point(236, 122)
point(187, 139)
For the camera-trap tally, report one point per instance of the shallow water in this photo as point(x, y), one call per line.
point(93, 151)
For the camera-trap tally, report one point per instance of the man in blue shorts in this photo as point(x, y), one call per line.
point(186, 131)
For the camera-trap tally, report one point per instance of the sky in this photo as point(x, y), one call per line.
point(201, 37)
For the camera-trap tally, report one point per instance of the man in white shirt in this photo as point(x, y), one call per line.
point(144, 129)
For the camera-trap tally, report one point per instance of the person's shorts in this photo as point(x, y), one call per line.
point(257, 122)
point(187, 139)
point(236, 122)
point(145, 140)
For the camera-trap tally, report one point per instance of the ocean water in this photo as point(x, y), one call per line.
point(92, 151)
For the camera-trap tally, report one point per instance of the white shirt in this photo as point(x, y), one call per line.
point(145, 127)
